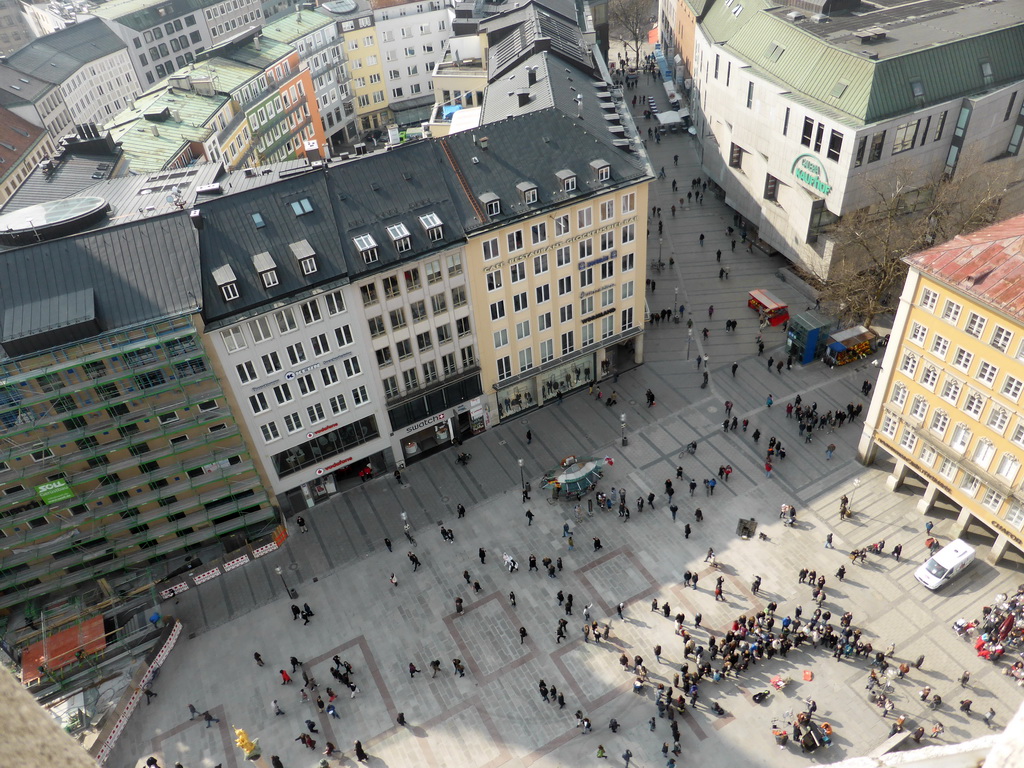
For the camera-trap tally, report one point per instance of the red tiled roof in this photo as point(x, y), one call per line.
point(17, 136)
point(988, 265)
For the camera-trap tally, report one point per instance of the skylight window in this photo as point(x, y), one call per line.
point(302, 207)
point(257, 219)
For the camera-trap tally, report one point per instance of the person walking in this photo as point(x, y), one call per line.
point(285, 678)
point(522, 635)
point(529, 436)
point(301, 522)
point(829, 450)
point(529, 517)
point(412, 670)
point(258, 658)
point(210, 719)
point(276, 708)
point(482, 554)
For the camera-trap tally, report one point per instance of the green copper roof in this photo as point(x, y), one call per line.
point(295, 26)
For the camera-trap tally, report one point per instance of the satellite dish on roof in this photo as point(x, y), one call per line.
point(170, 199)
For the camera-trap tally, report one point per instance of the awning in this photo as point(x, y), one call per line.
point(669, 118)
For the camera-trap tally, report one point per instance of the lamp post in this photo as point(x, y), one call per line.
point(279, 572)
point(660, 241)
point(522, 480)
point(622, 427)
point(675, 307)
point(856, 485)
point(689, 338)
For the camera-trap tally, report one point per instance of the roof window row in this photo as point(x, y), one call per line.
point(400, 236)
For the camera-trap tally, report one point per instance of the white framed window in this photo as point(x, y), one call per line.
point(525, 359)
point(335, 303)
point(270, 432)
point(246, 371)
point(607, 210)
point(930, 377)
point(929, 298)
point(984, 452)
point(993, 500)
point(629, 202)
point(970, 484)
point(234, 339)
point(917, 334)
point(899, 395)
point(908, 439)
point(311, 312)
point(517, 272)
point(1008, 468)
point(563, 256)
point(607, 327)
point(908, 364)
point(491, 250)
point(520, 302)
point(292, 422)
point(628, 234)
point(315, 413)
point(1015, 515)
point(1001, 338)
point(961, 438)
point(523, 329)
point(986, 373)
point(628, 261)
point(889, 425)
point(360, 395)
point(1012, 388)
point(497, 310)
point(948, 468)
point(975, 325)
point(320, 345)
point(962, 359)
point(351, 366)
point(940, 346)
point(337, 404)
point(504, 368)
point(515, 241)
point(927, 455)
point(540, 264)
point(974, 404)
point(998, 418)
point(951, 311)
point(547, 351)
point(258, 402)
point(951, 390)
point(501, 338)
point(260, 329)
point(495, 280)
point(562, 225)
point(584, 218)
point(940, 420)
point(307, 384)
point(919, 408)
point(539, 233)
point(329, 375)
point(283, 394)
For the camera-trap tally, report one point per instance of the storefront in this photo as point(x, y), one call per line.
point(769, 307)
point(543, 388)
point(850, 345)
point(440, 430)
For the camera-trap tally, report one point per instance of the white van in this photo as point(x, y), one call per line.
point(948, 563)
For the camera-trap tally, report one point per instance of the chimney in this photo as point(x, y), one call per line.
point(256, 42)
point(196, 217)
point(483, 142)
point(155, 130)
point(524, 97)
point(531, 75)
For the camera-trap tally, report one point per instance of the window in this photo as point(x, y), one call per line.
point(376, 325)
point(258, 402)
point(908, 365)
point(525, 359)
point(515, 241)
point(397, 317)
point(504, 368)
point(543, 293)
point(835, 145)
point(296, 354)
point(961, 438)
point(462, 327)
point(523, 329)
point(540, 264)
point(962, 359)
point(998, 418)
point(987, 373)
point(412, 279)
point(735, 156)
point(607, 210)
point(520, 302)
point(493, 207)
point(246, 372)
point(391, 288)
point(919, 408)
point(343, 336)
point(424, 341)
point(889, 425)
point(459, 296)
point(975, 325)
point(951, 390)
point(607, 270)
point(302, 207)
point(494, 280)
point(315, 413)
point(444, 333)
point(918, 333)
point(497, 310)
point(369, 293)
point(628, 234)
point(351, 365)
point(607, 327)
point(974, 403)
point(283, 394)
point(563, 256)
point(285, 321)
point(586, 248)
point(628, 261)
point(234, 339)
point(940, 346)
point(627, 319)
point(292, 422)
point(1001, 338)
point(584, 218)
point(517, 272)
point(607, 241)
point(608, 296)
point(438, 303)
point(500, 338)
point(1012, 388)
point(586, 277)
point(468, 357)
point(899, 395)
point(418, 310)
point(905, 137)
point(335, 303)
point(410, 379)
point(329, 375)
point(808, 132)
point(320, 345)
point(565, 313)
point(337, 404)
point(562, 225)
point(306, 384)
point(270, 432)
point(951, 312)
point(543, 321)
point(771, 188)
point(940, 420)
point(908, 439)
point(260, 329)
point(1008, 468)
point(564, 285)
point(404, 348)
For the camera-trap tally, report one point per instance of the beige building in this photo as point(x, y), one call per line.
point(948, 404)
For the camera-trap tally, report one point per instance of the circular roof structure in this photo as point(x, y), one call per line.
point(340, 6)
point(47, 221)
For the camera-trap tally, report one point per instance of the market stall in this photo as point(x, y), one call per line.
point(575, 476)
point(850, 345)
point(768, 307)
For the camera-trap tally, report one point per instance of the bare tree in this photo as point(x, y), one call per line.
point(867, 268)
point(630, 22)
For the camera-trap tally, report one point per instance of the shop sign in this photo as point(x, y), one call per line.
point(808, 169)
point(54, 491)
point(560, 242)
point(335, 465)
point(320, 431)
point(437, 418)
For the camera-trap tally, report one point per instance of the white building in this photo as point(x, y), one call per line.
point(801, 120)
point(411, 37)
point(163, 36)
point(89, 64)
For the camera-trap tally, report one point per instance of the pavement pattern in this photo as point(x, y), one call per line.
point(494, 715)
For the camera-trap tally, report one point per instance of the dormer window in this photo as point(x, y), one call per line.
point(528, 190)
point(602, 169)
point(432, 224)
point(399, 235)
point(367, 247)
point(305, 255)
point(225, 279)
point(567, 179)
point(266, 269)
point(492, 203)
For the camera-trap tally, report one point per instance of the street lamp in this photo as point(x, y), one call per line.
point(279, 572)
point(660, 241)
point(689, 338)
point(856, 485)
point(622, 421)
point(522, 480)
point(675, 306)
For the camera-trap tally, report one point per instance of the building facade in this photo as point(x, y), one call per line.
point(15, 30)
point(89, 64)
point(23, 147)
point(815, 126)
point(947, 406)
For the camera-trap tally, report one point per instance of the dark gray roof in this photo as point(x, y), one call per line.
point(138, 272)
point(18, 88)
point(74, 174)
point(230, 236)
point(57, 56)
point(533, 148)
point(521, 32)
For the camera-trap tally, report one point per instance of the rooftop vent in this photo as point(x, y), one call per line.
point(795, 16)
point(870, 34)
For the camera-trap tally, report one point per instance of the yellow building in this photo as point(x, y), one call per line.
point(365, 66)
point(948, 404)
point(555, 257)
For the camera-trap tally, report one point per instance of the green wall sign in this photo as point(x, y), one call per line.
point(52, 492)
point(808, 169)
